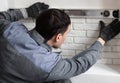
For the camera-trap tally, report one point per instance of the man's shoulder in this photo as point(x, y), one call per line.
point(14, 26)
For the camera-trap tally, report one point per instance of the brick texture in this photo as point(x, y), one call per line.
point(83, 33)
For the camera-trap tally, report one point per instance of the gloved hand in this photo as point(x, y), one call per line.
point(35, 9)
point(110, 31)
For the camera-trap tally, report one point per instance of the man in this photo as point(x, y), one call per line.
point(26, 56)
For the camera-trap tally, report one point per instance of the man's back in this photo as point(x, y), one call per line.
point(18, 55)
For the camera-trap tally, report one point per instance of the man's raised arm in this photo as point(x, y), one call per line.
point(17, 14)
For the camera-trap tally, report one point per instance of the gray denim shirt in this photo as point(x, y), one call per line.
point(25, 57)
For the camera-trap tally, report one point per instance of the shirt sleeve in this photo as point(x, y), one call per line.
point(11, 15)
point(80, 63)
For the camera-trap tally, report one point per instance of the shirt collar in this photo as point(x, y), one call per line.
point(39, 39)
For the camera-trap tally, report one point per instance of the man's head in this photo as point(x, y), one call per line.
point(53, 25)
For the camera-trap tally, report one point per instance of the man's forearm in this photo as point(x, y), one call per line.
point(12, 15)
point(80, 63)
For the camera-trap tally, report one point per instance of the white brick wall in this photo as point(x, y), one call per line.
point(85, 32)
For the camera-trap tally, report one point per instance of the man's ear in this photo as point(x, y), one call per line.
point(58, 37)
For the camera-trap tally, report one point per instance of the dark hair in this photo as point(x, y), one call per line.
point(52, 22)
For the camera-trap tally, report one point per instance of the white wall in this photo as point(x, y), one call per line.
point(70, 4)
point(84, 32)
point(3, 5)
point(64, 4)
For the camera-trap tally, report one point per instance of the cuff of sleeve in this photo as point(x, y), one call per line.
point(24, 12)
point(97, 45)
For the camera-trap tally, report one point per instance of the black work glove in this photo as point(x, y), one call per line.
point(35, 9)
point(31, 11)
point(110, 31)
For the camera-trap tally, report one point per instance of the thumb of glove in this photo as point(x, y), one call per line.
point(101, 25)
